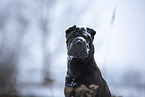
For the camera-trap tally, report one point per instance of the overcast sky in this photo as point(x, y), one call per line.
point(127, 43)
point(119, 46)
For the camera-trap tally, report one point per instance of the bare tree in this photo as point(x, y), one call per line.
point(12, 31)
point(44, 22)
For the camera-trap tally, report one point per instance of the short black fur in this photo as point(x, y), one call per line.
point(84, 70)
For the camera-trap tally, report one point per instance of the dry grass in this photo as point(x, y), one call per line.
point(12, 90)
point(82, 91)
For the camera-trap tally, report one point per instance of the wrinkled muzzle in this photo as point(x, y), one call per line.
point(79, 48)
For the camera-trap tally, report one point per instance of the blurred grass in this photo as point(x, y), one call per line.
point(80, 91)
point(13, 92)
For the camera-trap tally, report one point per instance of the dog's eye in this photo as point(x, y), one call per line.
point(70, 39)
point(76, 34)
point(87, 36)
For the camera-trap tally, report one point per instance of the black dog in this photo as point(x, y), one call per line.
point(82, 69)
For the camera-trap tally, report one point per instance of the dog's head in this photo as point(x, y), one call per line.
point(79, 41)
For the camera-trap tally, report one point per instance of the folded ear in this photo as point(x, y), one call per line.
point(70, 31)
point(91, 31)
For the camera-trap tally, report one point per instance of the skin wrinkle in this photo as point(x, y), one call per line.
point(77, 52)
point(81, 66)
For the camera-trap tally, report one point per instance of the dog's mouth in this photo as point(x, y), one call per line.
point(79, 48)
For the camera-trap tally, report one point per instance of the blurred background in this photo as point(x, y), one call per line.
point(33, 55)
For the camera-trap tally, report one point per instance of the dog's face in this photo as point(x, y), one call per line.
point(79, 41)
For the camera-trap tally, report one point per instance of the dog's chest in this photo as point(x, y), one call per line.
point(70, 80)
point(73, 83)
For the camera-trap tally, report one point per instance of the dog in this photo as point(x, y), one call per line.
point(81, 66)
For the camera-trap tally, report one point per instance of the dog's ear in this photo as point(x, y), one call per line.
point(70, 31)
point(91, 31)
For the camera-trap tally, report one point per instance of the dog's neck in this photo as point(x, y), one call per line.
point(76, 67)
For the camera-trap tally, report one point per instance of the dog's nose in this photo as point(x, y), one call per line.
point(79, 42)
